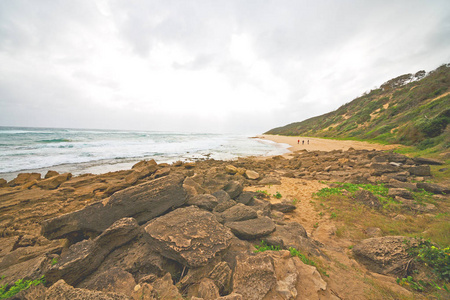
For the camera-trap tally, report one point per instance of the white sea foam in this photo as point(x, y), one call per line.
point(82, 151)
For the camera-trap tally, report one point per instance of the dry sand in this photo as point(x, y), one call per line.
point(322, 144)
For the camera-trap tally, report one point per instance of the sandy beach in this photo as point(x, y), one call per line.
point(315, 144)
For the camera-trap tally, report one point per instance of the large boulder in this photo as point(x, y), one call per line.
point(284, 206)
point(112, 280)
point(379, 169)
point(385, 255)
point(84, 257)
point(252, 229)
point(427, 161)
point(254, 275)
point(433, 188)
point(422, 170)
point(239, 212)
point(205, 201)
point(246, 198)
point(190, 236)
point(142, 202)
point(234, 189)
point(24, 178)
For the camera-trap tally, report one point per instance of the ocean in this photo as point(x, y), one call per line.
point(80, 151)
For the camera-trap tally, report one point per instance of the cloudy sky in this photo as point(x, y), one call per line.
point(205, 66)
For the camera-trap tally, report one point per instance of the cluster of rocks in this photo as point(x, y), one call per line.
point(154, 240)
point(186, 229)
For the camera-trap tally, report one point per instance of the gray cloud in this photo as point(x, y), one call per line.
point(239, 66)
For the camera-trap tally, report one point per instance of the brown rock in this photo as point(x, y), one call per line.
point(399, 192)
point(113, 280)
point(23, 178)
point(234, 189)
point(53, 182)
point(252, 175)
point(254, 276)
point(206, 202)
point(142, 202)
point(207, 290)
point(190, 236)
point(239, 212)
point(84, 257)
point(423, 170)
point(434, 188)
point(50, 174)
point(3, 183)
point(62, 291)
point(367, 198)
point(385, 255)
point(285, 206)
point(252, 229)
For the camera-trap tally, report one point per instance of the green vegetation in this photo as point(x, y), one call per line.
point(264, 247)
point(409, 112)
point(277, 195)
point(435, 258)
point(339, 202)
point(7, 291)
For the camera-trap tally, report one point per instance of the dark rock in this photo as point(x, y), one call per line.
point(84, 257)
point(3, 183)
point(190, 236)
point(262, 207)
point(222, 196)
point(224, 205)
point(403, 185)
point(399, 192)
point(252, 229)
point(367, 198)
point(294, 235)
point(239, 212)
point(142, 202)
point(433, 188)
point(234, 189)
point(246, 198)
point(254, 276)
point(379, 169)
point(427, 161)
point(385, 255)
point(423, 170)
point(285, 206)
point(62, 291)
point(207, 202)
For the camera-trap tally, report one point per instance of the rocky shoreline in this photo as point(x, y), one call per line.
point(188, 230)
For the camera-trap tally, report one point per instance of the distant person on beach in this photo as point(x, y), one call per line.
point(303, 142)
point(308, 142)
point(298, 141)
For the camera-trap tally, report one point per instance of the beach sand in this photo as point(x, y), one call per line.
point(318, 144)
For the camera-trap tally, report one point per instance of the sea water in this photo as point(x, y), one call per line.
point(82, 151)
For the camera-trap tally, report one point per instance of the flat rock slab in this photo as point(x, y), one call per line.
point(82, 258)
point(385, 255)
point(190, 236)
point(239, 212)
point(252, 229)
point(142, 202)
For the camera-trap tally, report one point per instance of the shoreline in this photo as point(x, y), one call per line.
point(319, 144)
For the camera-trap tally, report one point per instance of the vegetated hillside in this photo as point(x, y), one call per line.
point(412, 109)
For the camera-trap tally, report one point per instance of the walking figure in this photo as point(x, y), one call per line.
point(298, 141)
point(303, 142)
point(308, 142)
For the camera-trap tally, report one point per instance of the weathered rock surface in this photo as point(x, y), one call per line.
point(114, 280)
point(399, 192)
point(24, 178)
point(205, 201)
point(62, 291)
point(252, 229)
point(53, 182)
point(427, 161)
point(142, 202)
point(246, 198)
point(252, 175)
point(367, 198)
point(189, 235)
point(239, 212)
point(284, 206)
point(254, 276)
point(385, 255)
point(234, 189)
point(84, 257)
point(423, 170)
point(433, 188)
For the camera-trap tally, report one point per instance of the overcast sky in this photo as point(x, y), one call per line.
point(205, 66)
